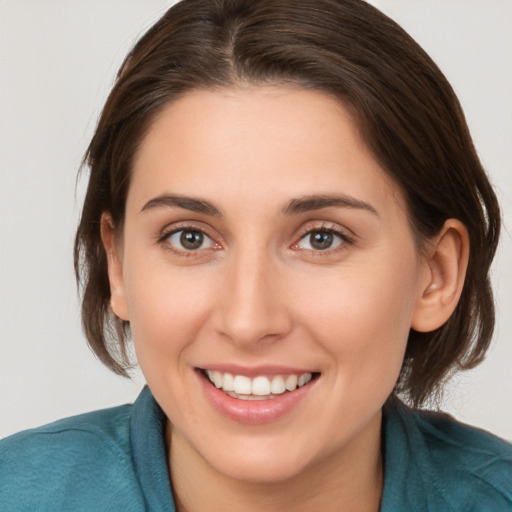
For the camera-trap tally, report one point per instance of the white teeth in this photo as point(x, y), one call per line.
point(260, 386)
point(291, 382)
point(229, 384)
point(242, 385)
point(277, 386)
point(304, 379)
point(217, 379)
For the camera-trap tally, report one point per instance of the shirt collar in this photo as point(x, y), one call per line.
point(149, 451)
point(408, 484)
point(408, 480)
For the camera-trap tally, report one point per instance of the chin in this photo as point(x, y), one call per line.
point(258, 469)
point(266, 459)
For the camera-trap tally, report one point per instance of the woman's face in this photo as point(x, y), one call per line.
point(264, 244)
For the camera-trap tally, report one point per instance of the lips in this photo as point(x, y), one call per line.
point(255, 396)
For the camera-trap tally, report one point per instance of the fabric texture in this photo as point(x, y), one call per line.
point(115, 459)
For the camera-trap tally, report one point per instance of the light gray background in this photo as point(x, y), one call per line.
point(57, 62)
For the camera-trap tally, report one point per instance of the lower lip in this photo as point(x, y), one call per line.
point(254, 412)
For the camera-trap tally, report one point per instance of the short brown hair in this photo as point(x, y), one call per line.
point(406, 111)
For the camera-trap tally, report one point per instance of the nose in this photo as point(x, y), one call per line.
point(252, 307)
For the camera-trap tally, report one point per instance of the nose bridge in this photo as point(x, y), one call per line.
point(253, 308)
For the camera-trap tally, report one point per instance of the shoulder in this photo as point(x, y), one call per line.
point(107, 429)
point(460, 467)
point(470, 444)
point(468, 453)
point(70, 463)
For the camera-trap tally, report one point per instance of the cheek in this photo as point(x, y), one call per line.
point(166, 310)
point(362, 319)
point(166, 314)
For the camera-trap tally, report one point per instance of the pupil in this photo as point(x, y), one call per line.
point(321, 240)
point(191, 239)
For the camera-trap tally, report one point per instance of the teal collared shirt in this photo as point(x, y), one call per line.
point(115, 459)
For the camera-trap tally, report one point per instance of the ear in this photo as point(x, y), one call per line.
point(442, 286)
point(115, 268)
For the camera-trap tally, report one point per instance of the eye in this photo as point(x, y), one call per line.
point(321, 240)
point(189, 240)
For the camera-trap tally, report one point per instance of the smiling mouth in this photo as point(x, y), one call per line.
point(257, 388)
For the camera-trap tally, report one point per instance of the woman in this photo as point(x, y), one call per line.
point(286, 214)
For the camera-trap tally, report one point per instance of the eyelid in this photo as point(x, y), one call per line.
point(174, 228)
point(347, 236)
point(182, 225)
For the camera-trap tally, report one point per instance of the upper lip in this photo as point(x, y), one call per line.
point(255, 371)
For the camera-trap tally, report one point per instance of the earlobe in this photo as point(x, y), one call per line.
point(115, 269)
point(445, 273)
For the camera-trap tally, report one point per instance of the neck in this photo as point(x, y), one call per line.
point(349, 480)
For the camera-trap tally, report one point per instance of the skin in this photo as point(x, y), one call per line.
point(257, 292)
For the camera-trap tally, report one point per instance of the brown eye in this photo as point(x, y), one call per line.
point(321, 240)
point(189, 240)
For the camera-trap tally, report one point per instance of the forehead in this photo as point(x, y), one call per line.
point(257, 143)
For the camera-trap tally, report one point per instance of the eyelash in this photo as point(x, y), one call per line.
point(346, 240)
point(166, 234)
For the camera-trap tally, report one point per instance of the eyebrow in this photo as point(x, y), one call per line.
point(188, 203)
point(293, 207)
point(317, 202)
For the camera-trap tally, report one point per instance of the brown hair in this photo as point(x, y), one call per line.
point(407, 114)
